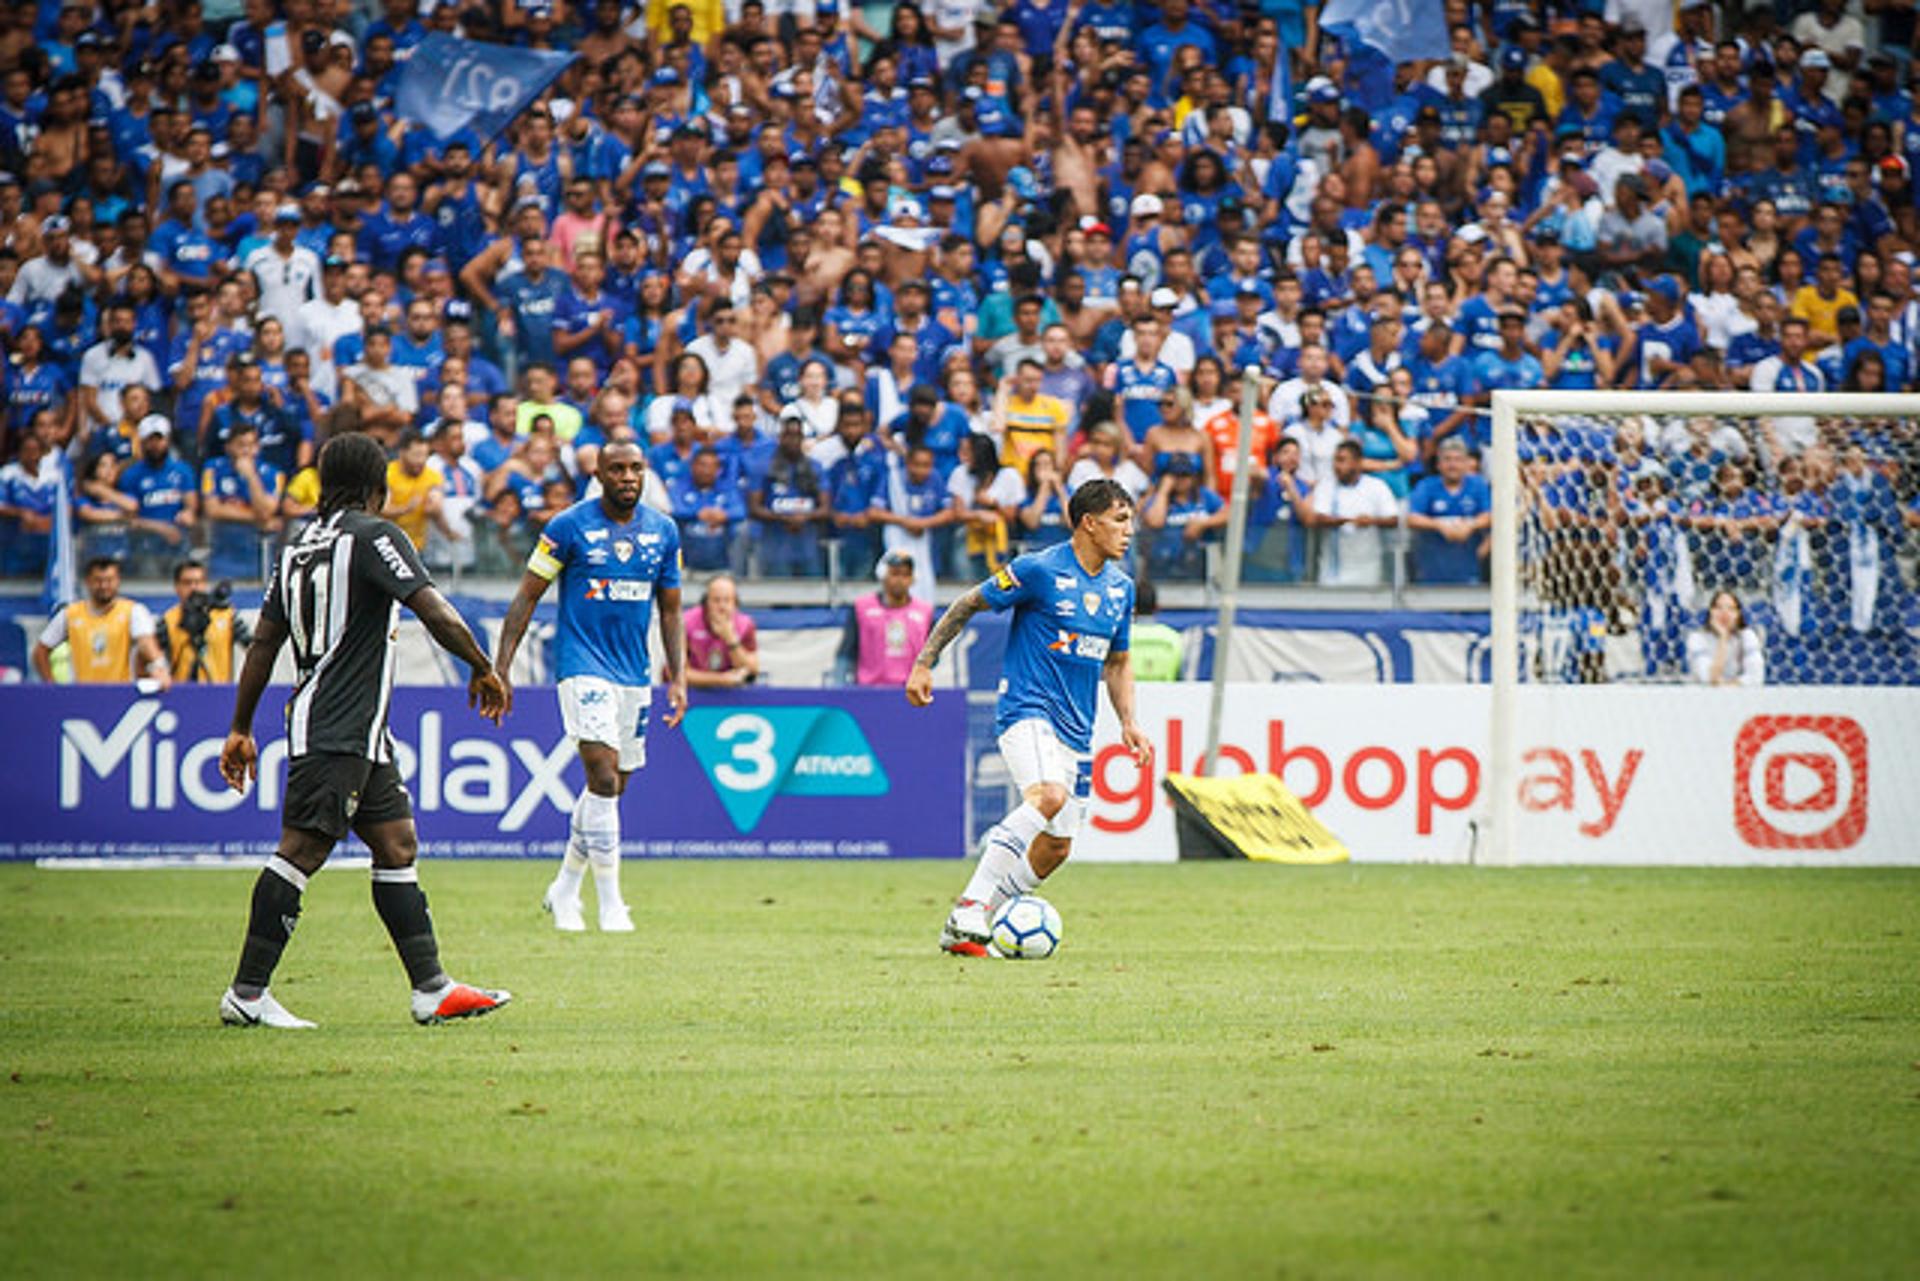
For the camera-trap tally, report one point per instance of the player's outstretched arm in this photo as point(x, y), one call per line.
point(1117, 671)
point(239, 760)
point(514, 629)
point(451, 633)
point(673, 638)
point(944, 633)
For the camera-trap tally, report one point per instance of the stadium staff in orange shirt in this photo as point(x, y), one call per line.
point(1223, 427)
point(109, 637)
point(1029, 420)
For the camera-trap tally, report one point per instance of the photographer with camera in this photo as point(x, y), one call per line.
point(198, 634)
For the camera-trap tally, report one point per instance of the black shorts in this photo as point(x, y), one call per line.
point(336, 794)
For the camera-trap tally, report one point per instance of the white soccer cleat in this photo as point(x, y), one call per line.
point(615, 919)
point(567, 915)
point(456, 1001)
point(967, 930)
point(262, 1011)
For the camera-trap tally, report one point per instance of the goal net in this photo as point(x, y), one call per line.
point(1647, 541)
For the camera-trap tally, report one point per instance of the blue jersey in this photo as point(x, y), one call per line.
point(608, 574)
point(1065, 623)
point(1138, 391)
point(1435, 560)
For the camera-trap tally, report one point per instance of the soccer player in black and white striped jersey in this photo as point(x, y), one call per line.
point(335, 596)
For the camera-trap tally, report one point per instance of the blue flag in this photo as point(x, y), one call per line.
point(452, 84)
point(1403, 30)
point(1280, 99)
point(60, 587)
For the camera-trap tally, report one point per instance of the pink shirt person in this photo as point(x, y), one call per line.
point(713, 659)
point(890, 626)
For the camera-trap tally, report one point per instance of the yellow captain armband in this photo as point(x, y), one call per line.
point(543, 562)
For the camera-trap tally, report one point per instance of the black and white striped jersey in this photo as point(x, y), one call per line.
point(337, 589)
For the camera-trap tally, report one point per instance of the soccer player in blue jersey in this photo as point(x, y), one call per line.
point(614, 560)
point(1072, 610)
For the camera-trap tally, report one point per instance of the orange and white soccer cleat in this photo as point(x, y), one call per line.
point(456, 1001)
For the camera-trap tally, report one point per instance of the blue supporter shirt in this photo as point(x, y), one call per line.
point(1065, 623)
point(1494, 372)
point(1138, 391)
point(706, 547)
point(384, 237)
point(1643, 92)
point(45, 387)
point(607, 574)
point(1677, 341)
point(746, 463)
point(1435, 560)
point(162, 491)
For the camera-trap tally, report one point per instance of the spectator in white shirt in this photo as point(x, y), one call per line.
point(732, 364)
point(1285, 405)
point(1176, 349)
point(321, 322)
point(1726, 651)
point(1354, 510)
point(110, 366)
point(287, 275)
point(44, 279)
point(726, 272)
point(1318, 436)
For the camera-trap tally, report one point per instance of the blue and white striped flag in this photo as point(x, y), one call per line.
point(60, 587)
point(1280, 98)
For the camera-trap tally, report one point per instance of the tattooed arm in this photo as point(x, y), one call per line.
point(951, 624)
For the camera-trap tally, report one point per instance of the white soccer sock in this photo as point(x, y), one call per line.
point(573, 864)
point(1003, 870)
point(599, 821)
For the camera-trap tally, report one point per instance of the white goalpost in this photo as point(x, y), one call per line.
point(1623, 722)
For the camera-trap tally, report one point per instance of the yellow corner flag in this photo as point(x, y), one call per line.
point(1253, 816)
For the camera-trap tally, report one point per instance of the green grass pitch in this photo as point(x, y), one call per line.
point(1229, 1070)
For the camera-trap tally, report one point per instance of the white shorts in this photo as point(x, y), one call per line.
point(595, 710)
point(1035, 754)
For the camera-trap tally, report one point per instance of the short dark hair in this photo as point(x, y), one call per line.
point(1094, 497)
point(182, 568)
point(353, 469)
point(95, 563)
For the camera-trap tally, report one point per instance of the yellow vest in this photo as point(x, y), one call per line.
point(101, 645)
point(217, 667)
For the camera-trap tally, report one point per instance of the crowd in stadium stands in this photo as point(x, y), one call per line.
point(879, 276)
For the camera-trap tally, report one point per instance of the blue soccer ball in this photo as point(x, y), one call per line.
point(1026, 928)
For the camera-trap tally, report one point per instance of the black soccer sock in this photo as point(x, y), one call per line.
point(402, 905)
point(270, 922)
